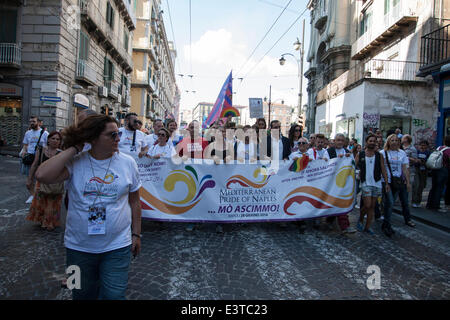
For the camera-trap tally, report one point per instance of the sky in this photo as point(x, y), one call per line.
point(223, 35)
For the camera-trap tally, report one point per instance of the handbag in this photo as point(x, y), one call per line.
point(28, 159)
point(53, 188)
point(396, 182)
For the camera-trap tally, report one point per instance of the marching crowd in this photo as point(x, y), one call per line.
point(90, 168)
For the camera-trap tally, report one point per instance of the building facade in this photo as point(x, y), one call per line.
point(154, 91)
point(380, 89)
point(59, 57)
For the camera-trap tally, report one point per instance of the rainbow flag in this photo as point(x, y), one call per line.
point(299, 164)
point(224, 100)
point(229, 111)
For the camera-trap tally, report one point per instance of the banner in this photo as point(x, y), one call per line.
point(256, 107)
point(245, 193)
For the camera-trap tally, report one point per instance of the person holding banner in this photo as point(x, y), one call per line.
point(371, 165)
point(276, 142)
point(318, 151)
point(192, 147)
point(338, 151)
point(175, 138)
point(163, 148)
point(103, 226)
point(245, 151)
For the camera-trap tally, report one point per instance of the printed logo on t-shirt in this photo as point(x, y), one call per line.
point(194, 147)
point(102, 188)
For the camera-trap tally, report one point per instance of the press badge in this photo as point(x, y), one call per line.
point(97, 220)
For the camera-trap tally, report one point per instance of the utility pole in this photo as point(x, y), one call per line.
point(270, 101)
point(300, 95)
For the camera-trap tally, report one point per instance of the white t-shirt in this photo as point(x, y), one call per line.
point(166, 152)
point(396, 160)
point(370, 179)
point(318, 154)
point(338, 153)
point(246, 151)
point(277, 148)
point(83, 186)
point(150, 140)
point(31, 138)
point(126, 142)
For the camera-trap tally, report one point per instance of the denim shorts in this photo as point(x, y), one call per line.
point(371, 191)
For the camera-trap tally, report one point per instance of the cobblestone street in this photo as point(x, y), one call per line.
point(247, 261)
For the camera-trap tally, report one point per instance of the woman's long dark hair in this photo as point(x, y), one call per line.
point(87, 131)
point(292, 133)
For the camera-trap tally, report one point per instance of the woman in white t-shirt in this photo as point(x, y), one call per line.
point(396, 163)
point(162, 149)
point(103, 223)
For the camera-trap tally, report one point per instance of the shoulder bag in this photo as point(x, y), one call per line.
point(396, 182)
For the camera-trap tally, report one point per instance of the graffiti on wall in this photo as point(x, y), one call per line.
point(420, 123)
point(427, 134)
point(371, 120)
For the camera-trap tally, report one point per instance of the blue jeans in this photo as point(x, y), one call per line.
point(438, 182)
point(104, 276)
point(389, 199)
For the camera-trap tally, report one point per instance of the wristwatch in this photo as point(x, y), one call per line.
point(136, 235)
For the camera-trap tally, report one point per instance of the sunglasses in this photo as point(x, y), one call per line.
point(113, 135)
point(161, 135)
point(303, 142)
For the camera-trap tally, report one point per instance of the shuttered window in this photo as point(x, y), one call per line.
point(110, 15)
point(8, 25)
point(83, 53)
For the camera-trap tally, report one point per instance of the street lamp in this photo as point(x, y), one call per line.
point(298, 46)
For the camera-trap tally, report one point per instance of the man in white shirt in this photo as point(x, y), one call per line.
point(152, 138)
point(132, 140)
point(318, 151)
point(30, 142)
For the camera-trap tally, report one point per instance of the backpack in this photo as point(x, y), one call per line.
point(435, 160)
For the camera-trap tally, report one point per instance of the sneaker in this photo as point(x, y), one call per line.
point(190, 227)
point(357, 207)
point(369, 231)
point(219, 229)
point(410, 224)
point(416, 205)
point(30, 200)
point(360, 226)
point(349, 230)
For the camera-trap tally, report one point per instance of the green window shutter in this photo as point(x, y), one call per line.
point(84, 46)
point(108, 13)
point(112, 71)
point(105, 69)
point(8, 24)
point(112, 18)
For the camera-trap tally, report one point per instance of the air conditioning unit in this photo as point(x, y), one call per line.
point(103, 92)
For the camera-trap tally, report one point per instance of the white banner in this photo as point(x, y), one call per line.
point(245, 193)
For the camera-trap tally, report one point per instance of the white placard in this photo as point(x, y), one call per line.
point(256, 107)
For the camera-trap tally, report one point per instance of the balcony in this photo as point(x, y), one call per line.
point(86, 73)
point(128, 14)
point(389, 71)
point(399, 17)
point(10, 55)
point(435, 50)
point(96, 25)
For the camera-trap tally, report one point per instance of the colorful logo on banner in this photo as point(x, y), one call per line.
point(195, 187)
point(321, 199)
point(229, 111)
point(246, 183)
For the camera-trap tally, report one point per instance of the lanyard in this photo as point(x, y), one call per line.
point(104, 178)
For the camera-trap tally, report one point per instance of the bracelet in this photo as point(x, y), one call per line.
point(136, 235)
point(76, 148)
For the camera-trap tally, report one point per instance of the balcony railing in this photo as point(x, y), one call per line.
point(10, 55)
point(401, 15)
point(113, 89)
point(435, 49)
point(85, 72)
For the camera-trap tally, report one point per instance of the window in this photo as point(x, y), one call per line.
point(366, 22)
point(387, 6)
point(150, 74)
point(108, 72)
point(125, 39)
point(83, 53)
point(8, 23)
point(110, 15)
